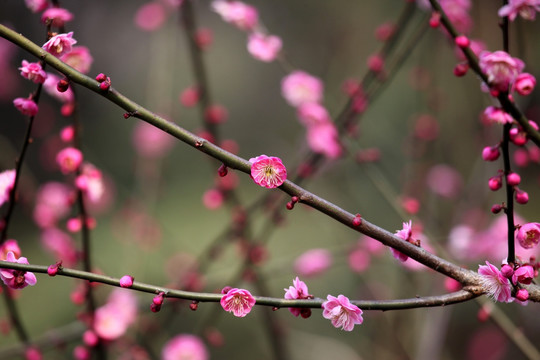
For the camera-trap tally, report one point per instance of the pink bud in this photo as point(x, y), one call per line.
point(158, 299)
point(375, 63)
point(357, 221)
point(90, 338)
point(513, 179)
point(52, 270)
point(490, 153)
point(222, 171)
point(522, 295)
point(495, 209)
point(461, 69)
point(495, 183)
point(524, 84)
point(215, 114)
point(462, 41)
point(101, 77)
point(521, 197)
point(126, 281)
point(435, 19)
point(67, 134)
point(507, 271)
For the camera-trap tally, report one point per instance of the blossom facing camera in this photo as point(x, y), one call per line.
point(528, 235)
point(60, 44)
point(238, 301)
point(17, 279)
point(341, 312)
point(268, 171)
point(299, 87)
point(500, 68)
point(495, 283)
point(264, 47)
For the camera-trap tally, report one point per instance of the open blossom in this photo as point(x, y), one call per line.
point(26, 106)
point(36, 5)
point(525, 8)
point(57, 16)
point(268, 171)
point(79, 58)
point(33, 72)
point(241, 15)
point(60, 44)
point(53, 202)
point(184, 346)
point(404, 234)
point(324, 139)
point(313, 262)
point(501, 69)
point(524, 275)
point(311, 114)
point(10, 245)
point(69, 159)
point(341, 312)
point(299, 87)
point(524, 84)
point(495, 283)
point(238, 301)
point(299, 290)
point(497, 115)
point(90, 182)
point(528, 235)
point(264, 47)
point(7, 180)
point(113, 319)
point(17, 279)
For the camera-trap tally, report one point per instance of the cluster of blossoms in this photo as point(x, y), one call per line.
point(500, 283)
point(261, 46)
point(15, 279)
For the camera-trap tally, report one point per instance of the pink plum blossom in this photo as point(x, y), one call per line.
point(7, 181)
point(184, 346)
point(36, 5)
point(525, 8)
point(17, 279)
point(10, 245)
point(444, 180)
point(53, 202)
point(311, 114)
point(241, 15)
point(79, 58)
point(57, 16)
point(299, 290)
point(528, 235)
point(151, 16)
point(151, 142)
point(26, 106)
point(299, 87)
point(264, 47)
point(497, 286)
point(341, 312)
point(523, 274)
point(404, 234)
point(324, 139)
point(500, 68)
point(33, 72)
point(238, 301)
point(113, 319)
point(268, 171)
point(213, 199)
point(497, 115)
point(524, 84)
point(90, 182)
point(69, 159)
point(60, 44)
point(60, 245)
point(50, 86)
point(313, 262)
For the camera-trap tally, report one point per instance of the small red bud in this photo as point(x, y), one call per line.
point(357, 221)
point(295, 199)
point(194, 305)
point(435, 19)
point(462, 41)
point(290, 205)
point(101, 77)
point(105, 85)
point(222, 171)
point(495, 209)
point(62, 85)
point(461, 69)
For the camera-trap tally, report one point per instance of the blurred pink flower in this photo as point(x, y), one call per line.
point(7, 246)
point(268, 171)
point(299, 290)
point(324, 139)
point(60, 44)
point(299, 87)
point(313, 262)
point(359, 260)
point(113, 319)
point(311, 114)
point(61, 245)
point(51, 89)
point(17, 279)
point(238, 301)
point(444, 181)
point(53, 202)
point(150, 16)
point(341, 312)
point(151, 142)
point(264, 47)
point(184, 346)
point(525, 8)
point(494, 114)
point(69, 159)
point(7, 181)
point(496, 285)
point(241, 15)
point(500, 68)
point(79, 58)
point(26, 106)
point(90, 182)
point(57, 16)
point(190, 96)
point(33, 72)
point(528, 235)
point(213, 199)
point(36, 5)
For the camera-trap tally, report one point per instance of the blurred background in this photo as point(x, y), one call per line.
point(153, 224)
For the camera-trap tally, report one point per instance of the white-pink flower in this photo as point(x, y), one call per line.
point(238, 301)
point(60, 44)
point(264, 47)
point(268, 171)
point(341, 312)
point(241, 15)
point(497, 286)
point(7, 180)
point(33, 72)
point(299, 290)
point(525, 8)
point(184, 346)
point(313, 262)
point(17, 279)
point(299, 87)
